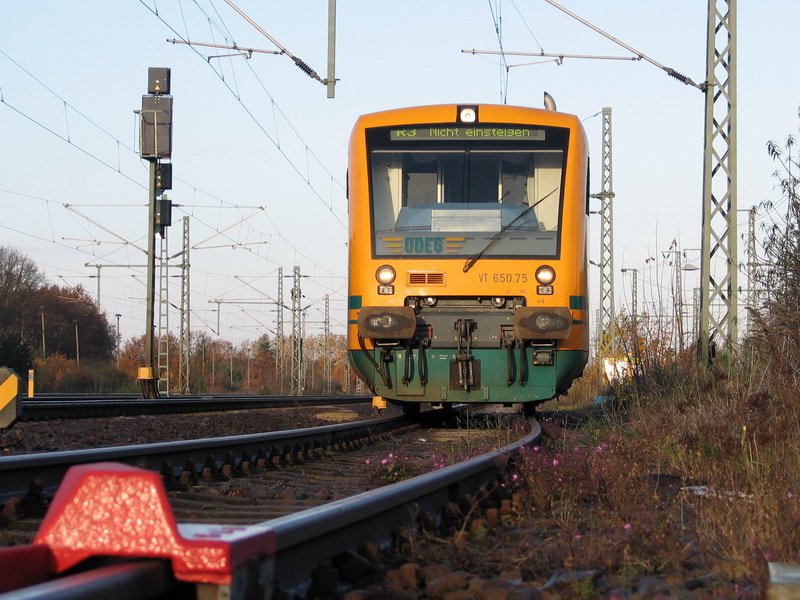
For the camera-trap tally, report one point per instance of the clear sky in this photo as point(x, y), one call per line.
point(259, 152)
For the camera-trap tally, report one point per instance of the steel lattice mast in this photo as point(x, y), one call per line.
point(297, 335)
point(280, 361)
point(753, 300)
point(328, 350)
point(185, 341)
point(718, 268)
point(607, 344)
point(678, 295)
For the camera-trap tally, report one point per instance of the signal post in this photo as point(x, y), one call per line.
point(155, 131)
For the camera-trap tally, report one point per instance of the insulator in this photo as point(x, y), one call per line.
point(305, 68)
point(680, 77)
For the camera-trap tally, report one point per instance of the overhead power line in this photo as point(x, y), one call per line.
point(524, 22)
point(498, 29)
point(306, 176)
point(668, 70)
point(118, 168)
point(301, 64)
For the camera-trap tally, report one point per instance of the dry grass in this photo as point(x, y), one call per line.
point(689, 476)
point(735, 431)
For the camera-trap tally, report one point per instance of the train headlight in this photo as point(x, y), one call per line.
point(542, 322)
point(385, 275)
point(381, 323)
point(499, 302)
point(545, 322)
point(430, 301)
point(468, 114)
point(545, 275)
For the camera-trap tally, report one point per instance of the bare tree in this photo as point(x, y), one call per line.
point(776, 314)
point(20, 278)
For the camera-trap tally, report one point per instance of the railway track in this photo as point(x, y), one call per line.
point(71, 407)
point(48, 468)
point(324, 527)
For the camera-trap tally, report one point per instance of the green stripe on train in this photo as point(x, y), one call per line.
point(577, 302)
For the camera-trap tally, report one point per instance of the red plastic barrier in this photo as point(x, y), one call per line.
point(110, 509)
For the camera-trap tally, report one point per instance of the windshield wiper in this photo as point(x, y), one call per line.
point(473, 259)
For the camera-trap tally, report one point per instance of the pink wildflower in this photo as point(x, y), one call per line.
point(366, 462)
point(627, 527)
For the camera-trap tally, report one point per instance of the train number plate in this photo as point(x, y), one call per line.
point(503, 277)
point(544, 290)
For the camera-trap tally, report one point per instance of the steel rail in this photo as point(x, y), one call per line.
point(307, 537)
point(16, 472)
point(60, 407)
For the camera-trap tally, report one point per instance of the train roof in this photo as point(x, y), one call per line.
point(487, 113)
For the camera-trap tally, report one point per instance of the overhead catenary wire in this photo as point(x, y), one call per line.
point(260, 125)
point(301, 64)
point(80, 249)
point(275, 141)
point(668, 70)
point(497, 19)
point(66, 139)
point(72, 135)
point(106, 163)
point(117, 141)
point(524, 22)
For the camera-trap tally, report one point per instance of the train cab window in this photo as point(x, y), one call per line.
point(470, 190)
point(420, 179)
point(470, 178)
point(516, 171)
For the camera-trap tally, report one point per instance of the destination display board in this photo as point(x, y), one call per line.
point(489, 132)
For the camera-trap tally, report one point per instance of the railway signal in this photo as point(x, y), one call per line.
point(155, 130)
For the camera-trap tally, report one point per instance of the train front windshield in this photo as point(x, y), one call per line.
point(459, 191)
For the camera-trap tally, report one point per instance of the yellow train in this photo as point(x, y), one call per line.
point(467, 254)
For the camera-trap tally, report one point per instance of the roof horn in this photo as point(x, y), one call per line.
point(549, 102)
